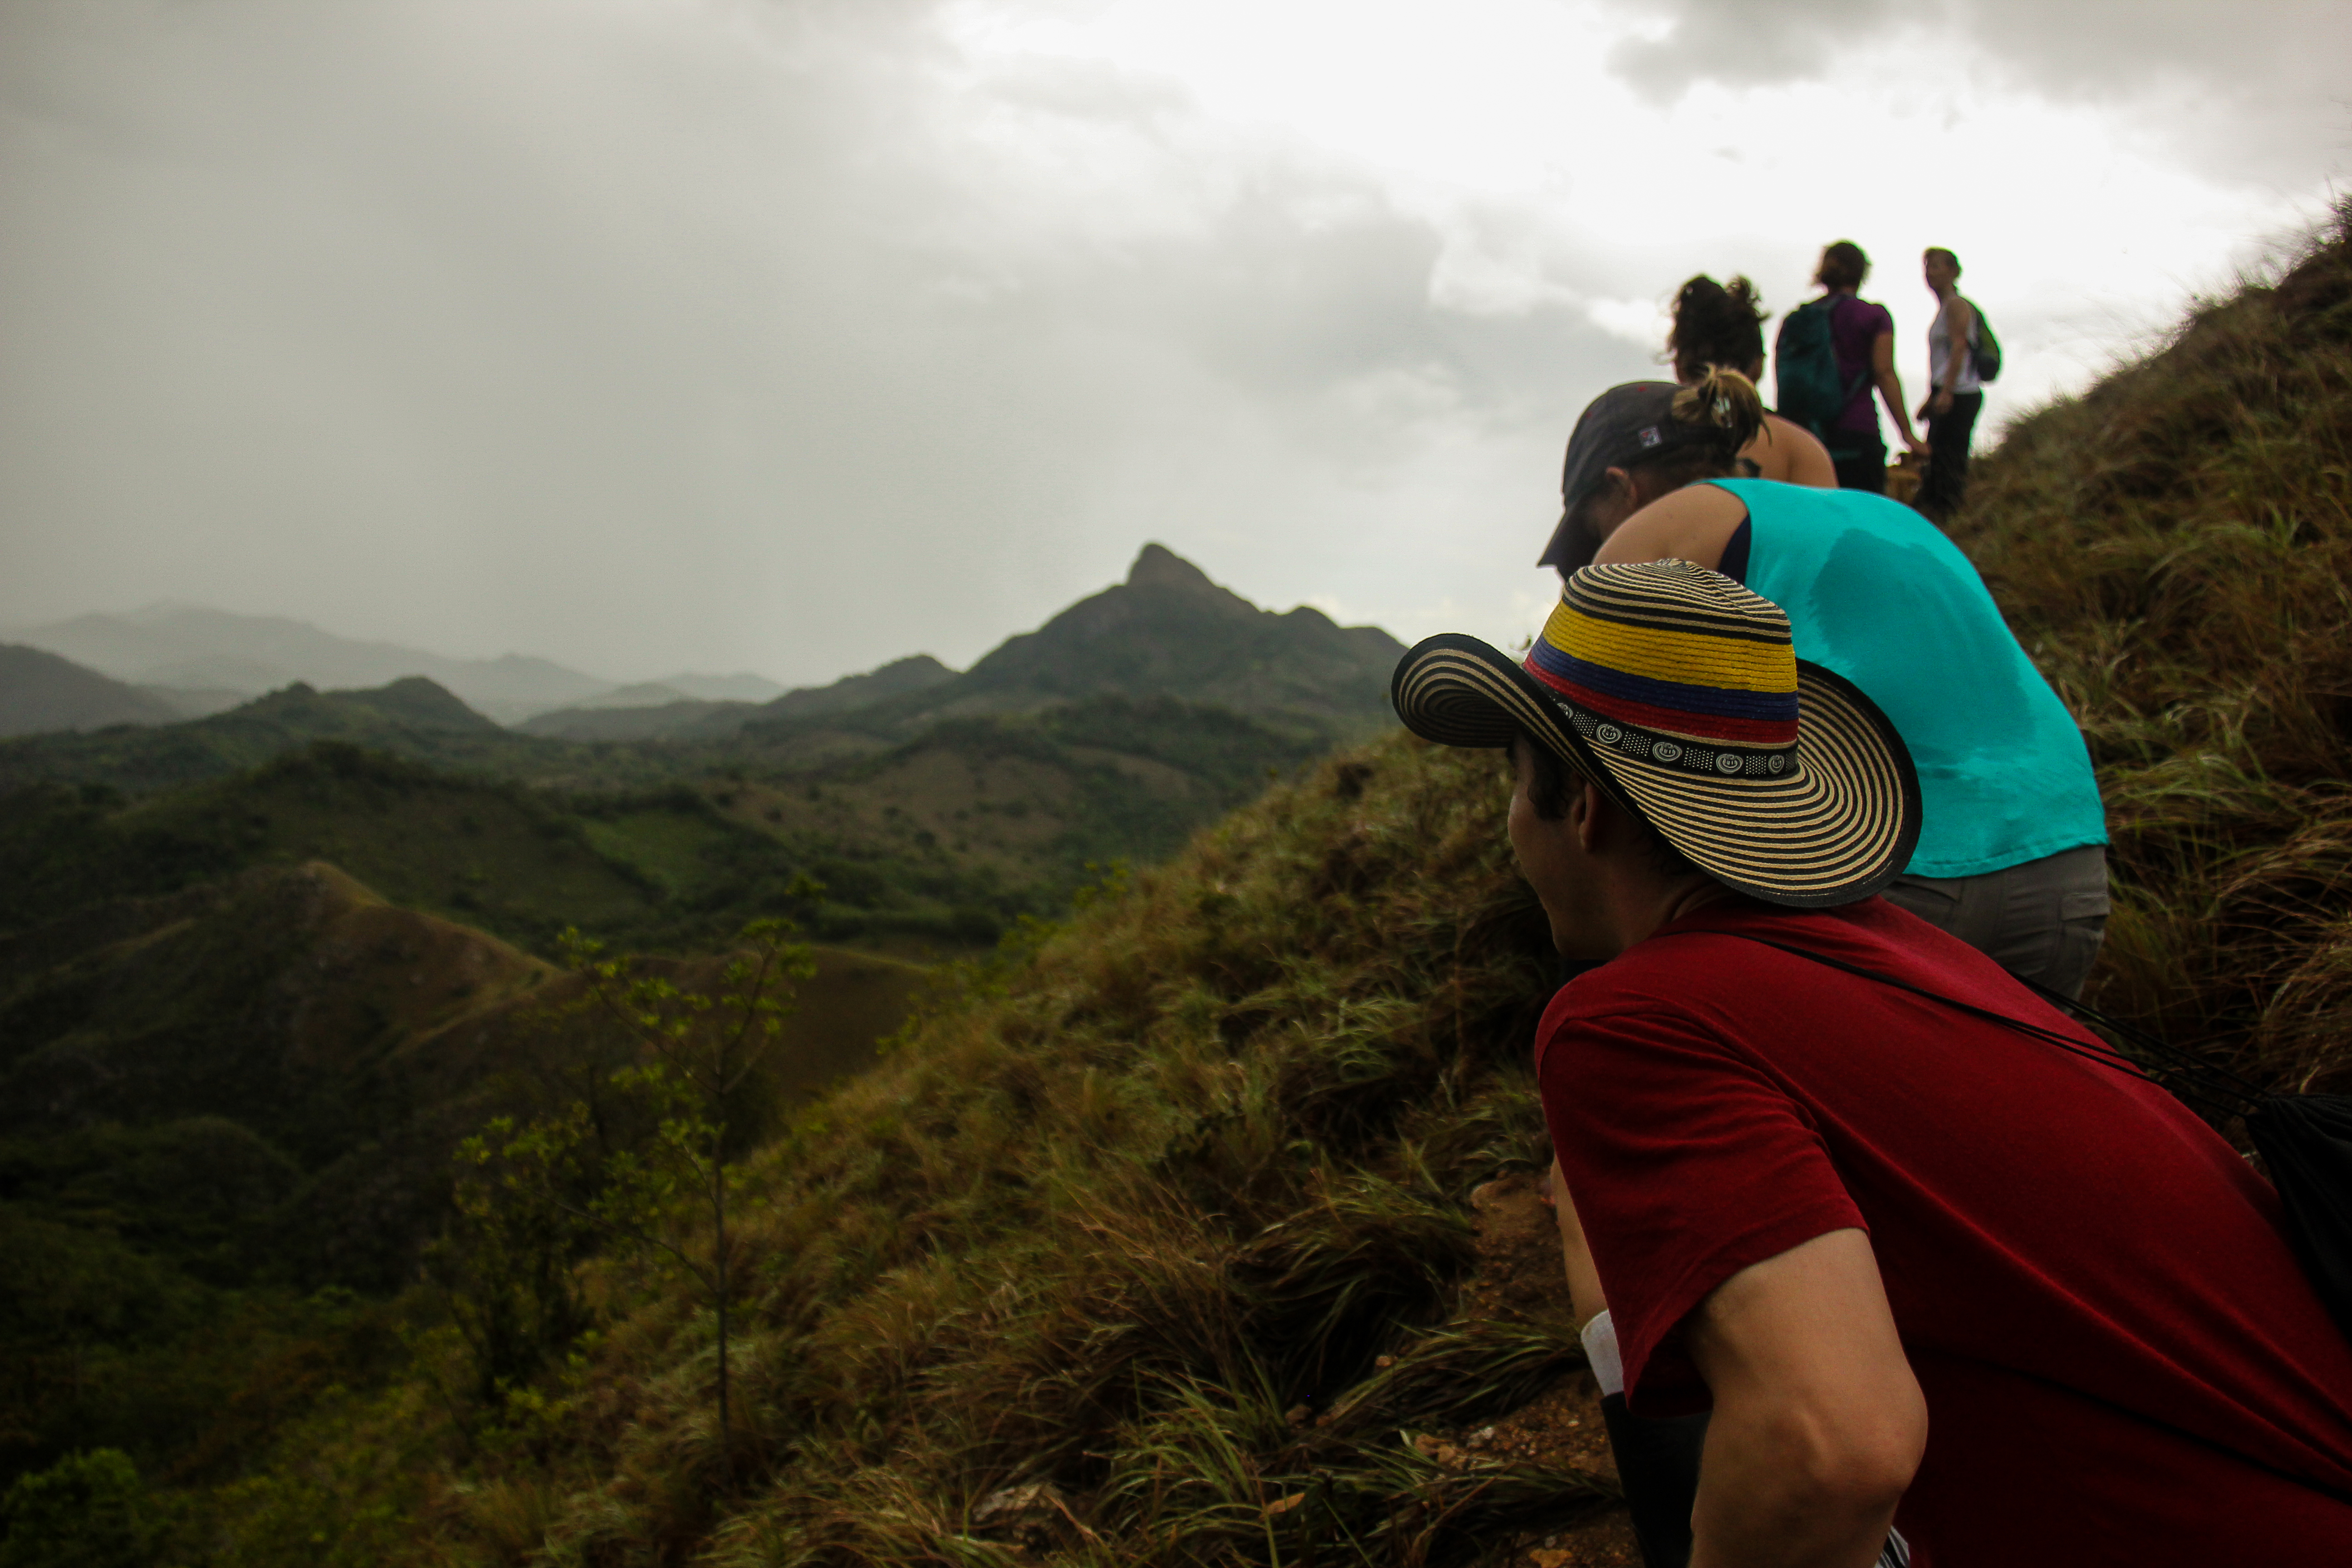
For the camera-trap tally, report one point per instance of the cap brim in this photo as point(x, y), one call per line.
point(1839, 827)
point(1571, 545)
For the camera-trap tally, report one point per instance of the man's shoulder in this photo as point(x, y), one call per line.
point(1744, 981)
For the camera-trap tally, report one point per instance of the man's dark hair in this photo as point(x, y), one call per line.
point(1844, 266)
point(1946, 256)
point(1548, 792)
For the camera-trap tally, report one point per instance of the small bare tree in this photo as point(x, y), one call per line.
point(702, 1050)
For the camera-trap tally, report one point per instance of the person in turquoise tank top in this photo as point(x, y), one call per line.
point(2011, 855)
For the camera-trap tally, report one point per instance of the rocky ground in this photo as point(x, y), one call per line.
point(1519, 1278)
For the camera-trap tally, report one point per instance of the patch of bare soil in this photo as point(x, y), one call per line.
point(1520, 1278)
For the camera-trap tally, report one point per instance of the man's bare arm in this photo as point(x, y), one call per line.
point(1818, 1422)
point(1584, 1294)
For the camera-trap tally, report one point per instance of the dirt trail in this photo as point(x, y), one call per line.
point(1519, 1278)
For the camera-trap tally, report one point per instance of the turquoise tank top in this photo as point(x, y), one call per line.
point(1876, 593)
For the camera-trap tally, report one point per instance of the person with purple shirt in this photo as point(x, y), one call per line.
point(1863, 336)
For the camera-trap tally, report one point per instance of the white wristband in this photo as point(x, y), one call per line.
point(1600, 1337)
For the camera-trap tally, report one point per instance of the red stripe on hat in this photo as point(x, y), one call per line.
point(1681, 722)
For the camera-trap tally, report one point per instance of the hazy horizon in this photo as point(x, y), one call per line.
point(162, 608)
point(794, 336)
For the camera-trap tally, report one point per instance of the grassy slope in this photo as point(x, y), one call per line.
point(2175, 548)
point(1201, 1160)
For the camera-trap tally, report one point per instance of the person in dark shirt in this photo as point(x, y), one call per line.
point(1952, 1293)
point(1863, 334)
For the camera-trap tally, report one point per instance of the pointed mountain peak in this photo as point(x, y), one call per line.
point(1160, 567)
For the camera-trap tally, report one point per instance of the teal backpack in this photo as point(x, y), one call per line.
point(1805, 377)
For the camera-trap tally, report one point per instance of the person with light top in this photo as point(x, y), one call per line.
point(1955, 395)
point(2013, 855)
point(1954, 1294)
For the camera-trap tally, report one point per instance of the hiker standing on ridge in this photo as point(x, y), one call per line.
point(1953, 1294)
point(1955, 394)
point(1833, 353)
point(2013, 860)
point(1723, 324)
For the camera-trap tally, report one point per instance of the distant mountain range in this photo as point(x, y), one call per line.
point(1166, 631)
point(1297, 682)
point(41, 692)
point(666, 714)
point(206, 660)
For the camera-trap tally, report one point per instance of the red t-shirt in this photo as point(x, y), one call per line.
point(2090, 1284)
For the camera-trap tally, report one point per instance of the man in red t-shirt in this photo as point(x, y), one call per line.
point(1946, 1289)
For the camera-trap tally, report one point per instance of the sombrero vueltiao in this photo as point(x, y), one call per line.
point(1679, 693)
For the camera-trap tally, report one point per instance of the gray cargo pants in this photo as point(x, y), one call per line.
point(2042, 921)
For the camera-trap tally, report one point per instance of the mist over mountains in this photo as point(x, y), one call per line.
point(226, 657)
point(1167, 630)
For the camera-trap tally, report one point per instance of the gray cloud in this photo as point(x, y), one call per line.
point(1741, 44)
point(652, 340)
point(2235, 89)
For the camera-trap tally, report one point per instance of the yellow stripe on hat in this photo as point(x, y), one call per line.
point(1691, 658)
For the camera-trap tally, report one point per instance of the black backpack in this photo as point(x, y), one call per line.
point(1985, 353)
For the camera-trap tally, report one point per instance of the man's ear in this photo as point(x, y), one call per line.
point(1585, 809)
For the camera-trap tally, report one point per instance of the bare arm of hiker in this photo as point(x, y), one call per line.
point(1585, 1299)
point(1890, 388)
point(1788, 452)
point(1819, 1424)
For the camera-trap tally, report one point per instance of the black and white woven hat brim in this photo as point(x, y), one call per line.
point(1839, 827)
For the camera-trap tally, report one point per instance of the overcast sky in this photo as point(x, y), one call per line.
point(797, 335)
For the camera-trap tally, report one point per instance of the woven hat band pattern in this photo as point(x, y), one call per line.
point(1676, 657)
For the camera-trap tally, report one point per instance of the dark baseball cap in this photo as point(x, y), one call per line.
point(1618, 430)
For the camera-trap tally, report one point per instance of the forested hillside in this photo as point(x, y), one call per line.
point(1154, 1241)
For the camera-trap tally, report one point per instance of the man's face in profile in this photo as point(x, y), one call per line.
point(1553, 858)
